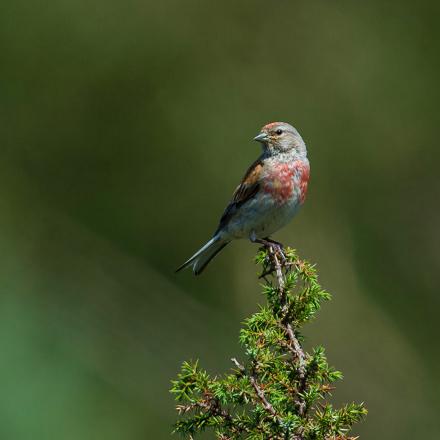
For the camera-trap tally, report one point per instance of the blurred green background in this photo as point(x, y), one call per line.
point(125, 127)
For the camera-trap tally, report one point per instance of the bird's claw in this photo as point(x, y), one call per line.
point(274, 251)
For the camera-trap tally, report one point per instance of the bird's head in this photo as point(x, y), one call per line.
point(280, 137)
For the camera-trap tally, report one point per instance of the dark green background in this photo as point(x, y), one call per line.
point(125, 126)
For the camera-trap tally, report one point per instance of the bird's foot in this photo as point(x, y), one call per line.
point(275, 250)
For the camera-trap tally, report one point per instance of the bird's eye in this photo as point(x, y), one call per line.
point(279, 131)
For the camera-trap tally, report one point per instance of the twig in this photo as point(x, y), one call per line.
point(294, 345)
point(212, 405)
point(297, 349)
point(299, 353)
point(260, 393)
point(278, 270)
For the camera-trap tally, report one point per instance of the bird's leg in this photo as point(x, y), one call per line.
point(268, 266)
point(271, 245)
point(278, 247)
point(265, 242)
point(277, 243)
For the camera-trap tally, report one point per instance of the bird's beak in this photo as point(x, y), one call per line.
point(262, 137)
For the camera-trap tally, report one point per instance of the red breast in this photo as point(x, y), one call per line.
point(284, 177)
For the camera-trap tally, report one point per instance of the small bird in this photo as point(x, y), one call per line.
point(268, 197)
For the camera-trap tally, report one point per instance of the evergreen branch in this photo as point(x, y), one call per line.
point(276, 394)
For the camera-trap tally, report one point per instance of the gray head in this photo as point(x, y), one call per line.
point(281, 137)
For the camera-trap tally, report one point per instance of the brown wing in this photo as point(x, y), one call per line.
point(246, 190)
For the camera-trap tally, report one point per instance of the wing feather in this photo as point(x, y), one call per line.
point(246, 190)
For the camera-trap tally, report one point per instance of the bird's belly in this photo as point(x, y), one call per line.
point(279, 216)
point(263, 216)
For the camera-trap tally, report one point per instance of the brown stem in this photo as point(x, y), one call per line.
point(297, 349)
point(293, 344)
point(260, 393)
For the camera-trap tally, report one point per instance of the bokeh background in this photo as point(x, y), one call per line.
point(125, 126)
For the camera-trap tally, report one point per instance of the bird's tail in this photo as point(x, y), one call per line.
point(204, 255)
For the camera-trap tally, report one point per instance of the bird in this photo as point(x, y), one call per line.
point(270, 194)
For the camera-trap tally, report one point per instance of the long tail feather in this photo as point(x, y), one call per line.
point(204, 255)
